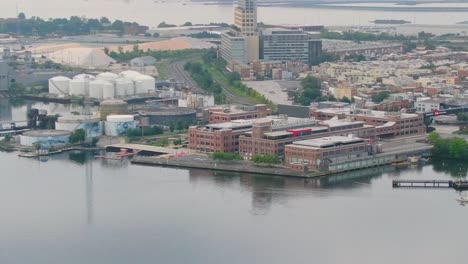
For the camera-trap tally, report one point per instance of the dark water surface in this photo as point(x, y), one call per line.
point(71, 210)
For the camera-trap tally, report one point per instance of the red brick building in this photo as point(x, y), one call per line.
point(265, 142)
point(228, 114)
point(387, 124)
point(224, 137)
point(321, 153)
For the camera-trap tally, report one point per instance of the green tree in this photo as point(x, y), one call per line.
point(458, 148)
point(427, 121)
point(77, 136)
point(179, 125)
point(345, 99)
point(21, 16)
point(379, 97)
point(225, 156)
point(266, 159)
point(171, 126)
point(156, 35)
point(462, 117)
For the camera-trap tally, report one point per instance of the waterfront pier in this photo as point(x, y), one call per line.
point(457, 185)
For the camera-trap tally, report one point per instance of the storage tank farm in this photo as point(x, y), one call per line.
point(103, 86)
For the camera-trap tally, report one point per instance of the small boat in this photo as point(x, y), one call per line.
point(400, 164)
point(414, 159)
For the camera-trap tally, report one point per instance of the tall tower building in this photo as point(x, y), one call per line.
point(245, 17)
point(244, 35)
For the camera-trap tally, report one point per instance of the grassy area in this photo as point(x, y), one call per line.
point(163, 69)
point(238, 89)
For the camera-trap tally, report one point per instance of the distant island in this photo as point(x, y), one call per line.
point(463, 23)
point(390, 21)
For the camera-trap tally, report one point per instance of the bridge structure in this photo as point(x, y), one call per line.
point(13, 127)
point(450, 111)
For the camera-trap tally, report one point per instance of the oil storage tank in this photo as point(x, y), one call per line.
point(96, 88)
point(112, 107)
point(108, 76)
point(79, 87)
point(108, 90)
point(123, 87)
point(92, 125)
point(164, 116)
point(144, 84)
point(46, 137)
point(118, 125)
point(59, 85)
point(130, 74)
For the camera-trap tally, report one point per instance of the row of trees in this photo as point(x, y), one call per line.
point(203, 78)
point(147, 131)
point(266, 159)
point(453, 148)
point(311, 91)
point(225, 156)
point(363, 36)
point(233, 79)
point(36, 26)
point(122, 56)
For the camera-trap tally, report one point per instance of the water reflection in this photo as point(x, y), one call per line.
point(5, 110)
point(455, 168)
point(266, 190)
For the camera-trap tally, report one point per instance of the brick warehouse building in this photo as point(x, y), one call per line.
point(262, 141)
point(224, 137)
point(228, 114)
point(387, 124)
point(326, 153)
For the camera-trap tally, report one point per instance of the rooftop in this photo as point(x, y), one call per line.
point(46, 133)
point(327, 142)
point(365, 112)
point(278, 123)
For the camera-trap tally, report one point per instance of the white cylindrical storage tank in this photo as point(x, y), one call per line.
point(124, 87)
point(59, 85)
point(78, 86)
point(45, 137)
point(144, 84)
point(130, 74)
point(92, 125)
point(108, 76)
point(84, 76)
point(118, 125)
point(96, 88)
point(108, 90)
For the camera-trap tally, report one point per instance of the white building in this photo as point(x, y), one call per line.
point(427, 105)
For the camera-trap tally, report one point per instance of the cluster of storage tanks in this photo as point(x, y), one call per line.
point(105, 85)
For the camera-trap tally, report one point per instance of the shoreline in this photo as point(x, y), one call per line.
point(201, 162)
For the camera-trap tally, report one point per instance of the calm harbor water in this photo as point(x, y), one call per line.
point(150, 12)
point(74, 209)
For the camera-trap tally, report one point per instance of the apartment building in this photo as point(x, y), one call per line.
point(279, 44)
